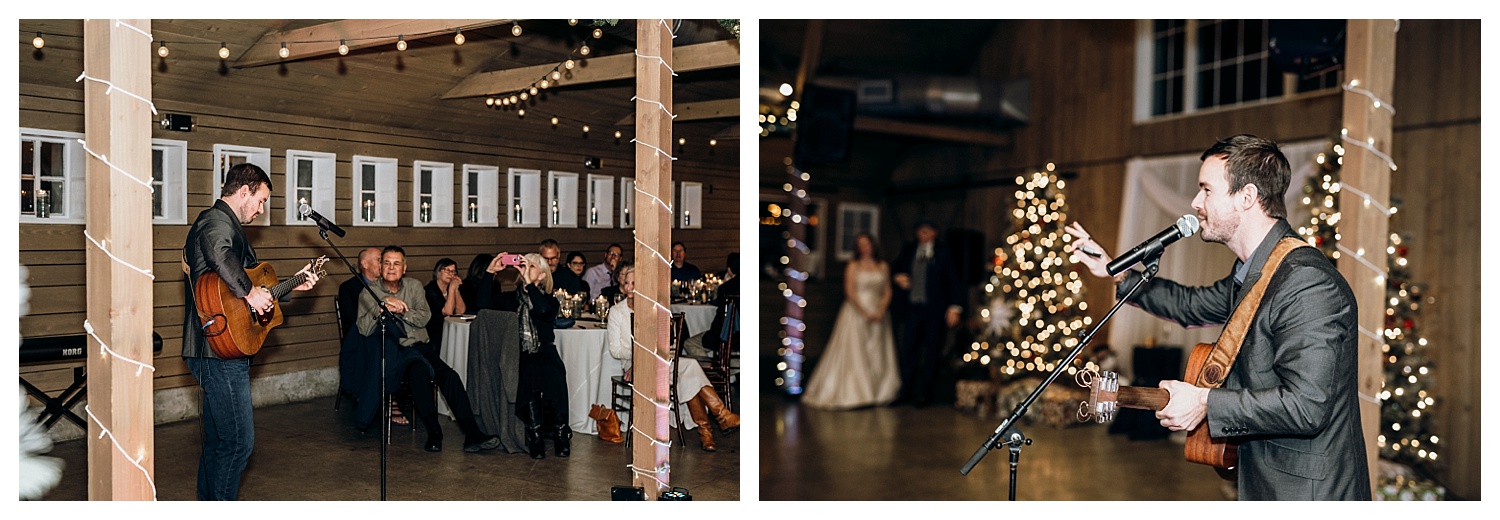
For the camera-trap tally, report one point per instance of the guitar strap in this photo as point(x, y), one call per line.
point(1227, 348)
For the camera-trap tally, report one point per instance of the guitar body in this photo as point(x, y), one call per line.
point(1106, 395)
point(232, 328)
point(1221, 453)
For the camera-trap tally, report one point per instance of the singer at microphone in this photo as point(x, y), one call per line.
point(323, 223)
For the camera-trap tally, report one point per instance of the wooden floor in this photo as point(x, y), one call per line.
point(307, 451)
point(906, 453)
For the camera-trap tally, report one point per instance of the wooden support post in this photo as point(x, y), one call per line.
point(1364, 228)
point(117, 126)
point(653, 239)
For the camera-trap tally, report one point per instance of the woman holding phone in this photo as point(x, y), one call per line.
point(542, 402)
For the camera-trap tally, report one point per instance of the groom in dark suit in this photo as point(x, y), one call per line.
point(929, 299)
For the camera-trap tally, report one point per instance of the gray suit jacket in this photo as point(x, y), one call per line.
point(1291, 398)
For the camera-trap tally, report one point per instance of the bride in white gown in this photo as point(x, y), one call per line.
point(859, 366)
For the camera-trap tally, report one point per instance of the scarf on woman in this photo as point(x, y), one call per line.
point(530, 342)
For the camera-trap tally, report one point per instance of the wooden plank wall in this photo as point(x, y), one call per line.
point(1082, 120)
point(309, 339)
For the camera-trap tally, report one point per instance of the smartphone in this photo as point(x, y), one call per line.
point(510, 259)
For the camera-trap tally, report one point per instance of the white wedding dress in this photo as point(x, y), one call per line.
point(859, 366)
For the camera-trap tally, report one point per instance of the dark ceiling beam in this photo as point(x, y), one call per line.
point(932, 131)
point(697, 111)
point(702, 56)
point(812, 50)
point(323, 40)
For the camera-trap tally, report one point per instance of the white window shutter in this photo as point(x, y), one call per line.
point(323, 187)
point(385, 193)
point(442, 196)
point(489, 196)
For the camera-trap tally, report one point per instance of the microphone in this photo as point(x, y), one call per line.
point(328, 225)
point(1185, 227)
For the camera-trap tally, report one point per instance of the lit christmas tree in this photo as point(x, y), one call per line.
point(1406, 404)
point(1035, 297)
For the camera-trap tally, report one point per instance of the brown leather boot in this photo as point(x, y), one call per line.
point(728, 420)
point(700, 418)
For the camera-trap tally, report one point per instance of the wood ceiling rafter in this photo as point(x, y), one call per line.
point(702, 56)
point(697, 111)
point(323, 39)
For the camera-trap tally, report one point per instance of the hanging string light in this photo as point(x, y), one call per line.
point(458, 39)
point(38, 42)
point(343, 47)
point(162, 50)
point(400, 42)
point(515, 28)
point(223, 50)
point(284, 52)
point(572, 22)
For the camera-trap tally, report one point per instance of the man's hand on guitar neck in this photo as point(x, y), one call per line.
point(259, 300)
point(312, 278)
point(1186, 408)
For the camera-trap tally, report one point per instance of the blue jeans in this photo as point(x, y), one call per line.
point(228, 425)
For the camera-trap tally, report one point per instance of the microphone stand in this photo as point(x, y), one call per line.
point(385, 314)
point(1007, 429)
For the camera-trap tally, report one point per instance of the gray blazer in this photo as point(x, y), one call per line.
point(1291, 398)
point(215, 242)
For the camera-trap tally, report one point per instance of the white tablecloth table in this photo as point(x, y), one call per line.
point(699, 317)
point(584, 352)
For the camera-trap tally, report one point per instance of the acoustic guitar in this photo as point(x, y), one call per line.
point(1106, 396)
point(233, 329)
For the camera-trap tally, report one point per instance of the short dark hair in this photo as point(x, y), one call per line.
point(1253, 160)
point(478, 265)
point(924, 223)
point(679, 243)
point(393, 249)
point(575, 254)
point(612, 246)
point(733, 263)
point(445, 262)
point(244, 174)
point(549, 243)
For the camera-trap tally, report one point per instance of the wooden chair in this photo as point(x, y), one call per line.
point(622, 391)
point(721, 367)
point(405, 389)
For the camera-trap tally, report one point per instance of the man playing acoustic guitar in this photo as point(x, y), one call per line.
point(1290, 398)
point(217, 243)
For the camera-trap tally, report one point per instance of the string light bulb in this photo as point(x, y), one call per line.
point(162, 50)
point(681, 140)
point(572, 22)
point(489, 101)
point(585, 128)
point(543, 84)
point(598, 33)
point(524, 95)
point(556, 75)
point(458, 39)
point(223, 50)
point(400, 42)
point(568, 64)
point(617, 134)
point(521, 112)
point(713, 142)
point(533, 90)
point(584, 50)
point(284, 51)
point(554, 120)
point(38, 42)
point(513, 99)
point(515, 29)
point(343, 47)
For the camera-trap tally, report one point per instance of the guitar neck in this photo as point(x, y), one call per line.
point(281, 289)
point(1143, 397)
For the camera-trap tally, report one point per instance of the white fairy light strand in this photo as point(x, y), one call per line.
point(116, 442)
point(1387, 210)
point(1379, 103)
point(654, 252)
point(1390, 162)
point(119, 23)
point(648, 474)
point(657, 58)
point(85, 76)
point(670, 30)
point(101, 247)
point(655, 303)
point(657, 103)
point(653, 147)
point(88, 327)
point(112, 166)
point(1361, 259)
point(653, 196)
point(650, 350)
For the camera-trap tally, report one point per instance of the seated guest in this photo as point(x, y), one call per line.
point(369, 267)
point(692, 383)
point(407, 302)
point(444, 297)
point(542, 389)
point(603, 275)
point(551, 253)
point(682, 271)
point(712, 338)
point(612, 293)
point(471, 283)
point(570, 277)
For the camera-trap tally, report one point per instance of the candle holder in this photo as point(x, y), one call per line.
point(426, 213)
point(473, 213)
point(301, 201)
point(43, 204)
point(369, 211)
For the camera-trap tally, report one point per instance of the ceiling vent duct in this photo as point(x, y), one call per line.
point(1006, 102)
